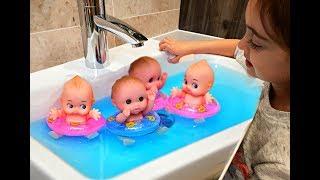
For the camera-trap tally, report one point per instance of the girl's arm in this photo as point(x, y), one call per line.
point(223, 47)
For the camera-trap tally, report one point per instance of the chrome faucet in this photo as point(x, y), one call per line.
point(95, 24)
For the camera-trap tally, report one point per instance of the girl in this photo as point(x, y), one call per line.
point(264, 52)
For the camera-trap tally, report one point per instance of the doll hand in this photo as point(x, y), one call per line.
point(53, 115)
point(152, 93)
point(162, 81)
point(208, 98)
point(175, 92)
point(121, 117)
point(95, 114)
point(164, 77)
point(126, 112)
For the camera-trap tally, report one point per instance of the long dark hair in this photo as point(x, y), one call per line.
point(276, 15)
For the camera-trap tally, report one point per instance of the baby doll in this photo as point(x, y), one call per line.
point(130, 96)
point(198, 80)
point(148, 70)
point(76, 101)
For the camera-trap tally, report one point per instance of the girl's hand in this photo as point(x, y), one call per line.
point(94, 114)
point(177, 48)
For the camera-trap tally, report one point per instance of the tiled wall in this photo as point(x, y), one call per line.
point(55, 33)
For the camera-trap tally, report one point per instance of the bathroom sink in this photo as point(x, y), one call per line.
point(202, 158)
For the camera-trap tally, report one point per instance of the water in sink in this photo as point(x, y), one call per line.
point(107, 156)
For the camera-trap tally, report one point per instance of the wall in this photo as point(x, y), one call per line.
point(222, 18)
point(55, 36)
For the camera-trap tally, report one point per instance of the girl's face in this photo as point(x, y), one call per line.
point(264, 58)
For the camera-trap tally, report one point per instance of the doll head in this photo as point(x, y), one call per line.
point(199, 78)
point(77, 96)
point(129, 93)
point(148, 70)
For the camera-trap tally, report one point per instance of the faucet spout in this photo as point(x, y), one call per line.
point(95, 24)
point(121, 30)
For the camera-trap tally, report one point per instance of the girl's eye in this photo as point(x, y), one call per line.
point(128, 101)
point(83, 106)
point(253, 45)
point(185, 82)
point(150, 80)
point(158, 78)
point(141, 98)
point(195, 85)
point(70, 105)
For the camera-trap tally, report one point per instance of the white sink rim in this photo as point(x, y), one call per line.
point(50, 164)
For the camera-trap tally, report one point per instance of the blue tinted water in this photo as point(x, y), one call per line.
point(106, 156)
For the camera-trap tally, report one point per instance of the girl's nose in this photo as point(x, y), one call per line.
point(243, 45)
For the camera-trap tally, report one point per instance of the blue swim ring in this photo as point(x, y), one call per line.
point(148, 124)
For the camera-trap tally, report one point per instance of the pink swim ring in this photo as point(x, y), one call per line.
point(61, 127)
point(177, 106)
point(160, 101)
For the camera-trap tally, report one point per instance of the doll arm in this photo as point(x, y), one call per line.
point(94, 114)
point(151, 98)
point(123, 116)
point(175, 92)
point(163, 79)
point(55, 114)
point(208, 98)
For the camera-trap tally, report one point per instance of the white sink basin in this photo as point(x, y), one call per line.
point(206, 157)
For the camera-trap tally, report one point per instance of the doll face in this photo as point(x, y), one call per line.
point(150, 76)
point(132, 97)
point(76, 100)
point(197, 84)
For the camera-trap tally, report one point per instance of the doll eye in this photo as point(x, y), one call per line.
point(195, 85)
point(70, 105)
point(83, 106)
point(185, 82)
point(141, 98)
point(128, 101)
point(158, 78)
point(150, 80)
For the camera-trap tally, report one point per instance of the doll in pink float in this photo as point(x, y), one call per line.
point(148, 70)
point(75, 117)
point(194, 99)
point(130, 96)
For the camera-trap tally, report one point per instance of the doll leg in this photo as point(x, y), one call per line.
point(162, 130)
point(199, 120)
point(54, 135)
point(92, 135)
point(126, 141)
